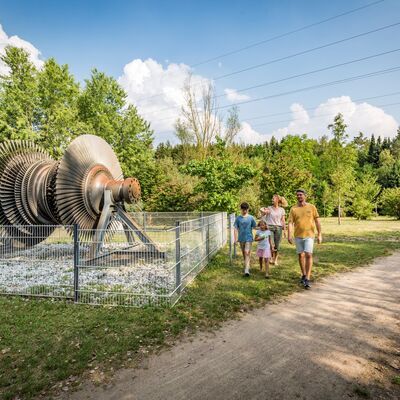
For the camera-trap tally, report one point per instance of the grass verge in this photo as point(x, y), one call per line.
point(43, 342)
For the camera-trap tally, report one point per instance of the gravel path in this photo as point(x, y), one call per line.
point(340, 340)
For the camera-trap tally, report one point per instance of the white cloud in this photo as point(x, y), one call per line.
point(157, 91)
point(248, 135)
point(232, 95)
point(6, 40)
point(358, 117)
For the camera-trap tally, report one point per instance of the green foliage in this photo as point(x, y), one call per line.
point(174, 190)
point(49, 107)
point(365, 193)
point(56, 109)
point(44, 342)
point(338, 129)
point(18, 96)
point(289, 169)
point(220, 181)
point(326, 199)
point(390, 200)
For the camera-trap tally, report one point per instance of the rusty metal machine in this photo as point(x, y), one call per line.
point(85, 187)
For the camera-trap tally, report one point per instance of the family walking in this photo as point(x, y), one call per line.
point(303, 223)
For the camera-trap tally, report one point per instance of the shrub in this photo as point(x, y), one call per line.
point(390, 200)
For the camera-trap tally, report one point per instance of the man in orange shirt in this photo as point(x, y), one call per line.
point(304, 218)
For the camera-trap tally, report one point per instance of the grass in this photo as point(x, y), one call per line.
point(43, 342)
point(362, 392)
point(396, 380)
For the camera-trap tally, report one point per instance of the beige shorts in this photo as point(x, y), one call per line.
point(245, 246)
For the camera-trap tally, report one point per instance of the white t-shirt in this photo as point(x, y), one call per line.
point(275, 216)
point(263, 244)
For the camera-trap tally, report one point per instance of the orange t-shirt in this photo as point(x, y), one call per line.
point(303, 218)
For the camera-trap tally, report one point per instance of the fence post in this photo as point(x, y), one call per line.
point(208, 238)
point(178, 255)
point(233, 236)
point(223, 228)
point(76, 262)
point(230, 227)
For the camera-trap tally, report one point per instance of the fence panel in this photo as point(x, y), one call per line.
point(111, 267)
point(37, 260)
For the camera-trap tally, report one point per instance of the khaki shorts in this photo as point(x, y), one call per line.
point(245, 246)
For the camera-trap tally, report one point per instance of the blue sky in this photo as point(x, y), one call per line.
point(109, 35)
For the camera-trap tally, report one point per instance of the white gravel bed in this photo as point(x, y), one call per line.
point(48, 269)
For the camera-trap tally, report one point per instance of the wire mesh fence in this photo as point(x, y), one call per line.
point(37, 260)
point(150, 266)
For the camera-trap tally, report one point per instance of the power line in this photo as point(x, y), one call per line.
point(295, 76)
point(317, 116)
point(306, 51)
point(339, 81)
point(276, 38)
point(315, 107)
point(282, 35)
point(276, 60)
point(315, 71)
point(325, 84)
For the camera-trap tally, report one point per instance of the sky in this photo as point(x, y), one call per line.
point(151, 47)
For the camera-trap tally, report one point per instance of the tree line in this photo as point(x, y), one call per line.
point(208, 169)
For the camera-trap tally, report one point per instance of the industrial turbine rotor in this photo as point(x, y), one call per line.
point(86, 187)
point(88, 168)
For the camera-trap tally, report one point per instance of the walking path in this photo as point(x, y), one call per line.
point(339, 340)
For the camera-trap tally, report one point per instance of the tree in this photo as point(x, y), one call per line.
point(135, 149)
point(361, 144)
point(57, 109)
point(200, 123)
point(18, 96)
point(338, 129)
point(374, 151)
point(365, 193)
point(175, 190)
point(289, 169)
point(104, 109)
point(342, 179)
point(390, 200)
point(100, 105)
point(389, 170)
point(337, 164)
point(220, 181)
point(327, 199)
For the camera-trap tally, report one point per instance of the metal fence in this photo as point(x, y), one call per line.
point(112, 267)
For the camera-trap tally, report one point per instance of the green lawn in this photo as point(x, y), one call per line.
point(43, 342)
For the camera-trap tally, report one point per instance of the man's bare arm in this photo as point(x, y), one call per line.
point(319, 229)
point(290, 230)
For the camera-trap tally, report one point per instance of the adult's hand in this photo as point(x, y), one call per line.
point(290, 239)
point(319, 240)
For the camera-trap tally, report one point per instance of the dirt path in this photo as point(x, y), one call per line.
point(339, 340)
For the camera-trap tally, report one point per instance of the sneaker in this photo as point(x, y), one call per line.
point(266, 276)
point(303, 277)
point(246, 274)
point(307, 284)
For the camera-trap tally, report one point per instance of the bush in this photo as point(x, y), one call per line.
point(390, 200)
